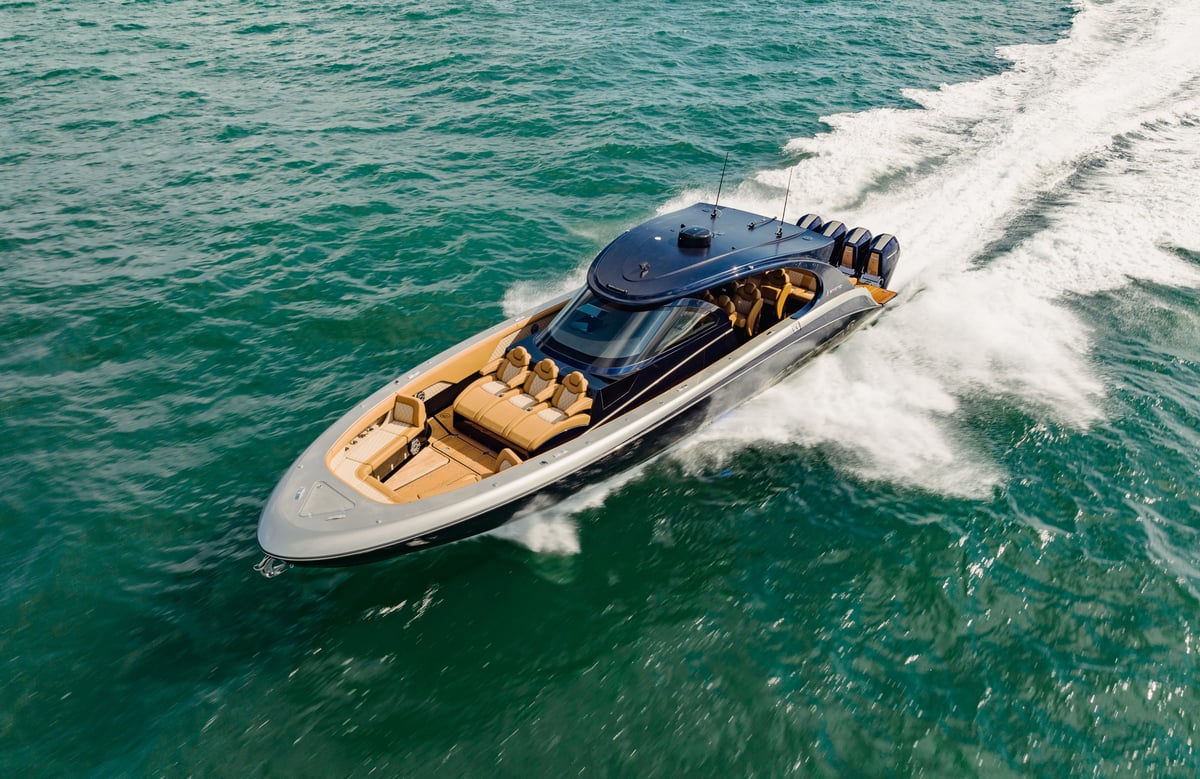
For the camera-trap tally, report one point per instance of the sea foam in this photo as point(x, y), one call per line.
point(1070, 173)
point(1061, 176)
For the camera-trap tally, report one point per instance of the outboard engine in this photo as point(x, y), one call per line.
point(882, 257)
point(809, 222)
point(837, 231)
point(853, 259)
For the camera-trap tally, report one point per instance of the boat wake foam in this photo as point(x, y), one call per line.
point(543, 530)
point(1058, 177)
point(524, 295)
point(1067, 174)
point(547, 526)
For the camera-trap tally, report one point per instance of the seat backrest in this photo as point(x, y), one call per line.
point(544, 374)
point(776, 288)
point(747, 301)
point(746, 296)
point(514, 362)
point(408, 410)
point(574, 386)
point(802, 279)
point(725, 304)
point(775, 278)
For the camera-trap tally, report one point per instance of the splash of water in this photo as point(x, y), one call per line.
point(524, 295)
point(1061, 176)
point(546, 524)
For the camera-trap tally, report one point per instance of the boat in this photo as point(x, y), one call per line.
point(682, 318)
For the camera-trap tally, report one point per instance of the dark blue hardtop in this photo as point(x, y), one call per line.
point(694, 249)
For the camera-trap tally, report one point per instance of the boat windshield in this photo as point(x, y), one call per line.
point(606, 336)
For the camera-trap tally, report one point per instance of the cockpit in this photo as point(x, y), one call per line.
point(609, 339)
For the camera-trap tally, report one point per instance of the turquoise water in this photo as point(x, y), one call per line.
point(966, 542)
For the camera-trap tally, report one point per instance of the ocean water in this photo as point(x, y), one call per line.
point(965, 543)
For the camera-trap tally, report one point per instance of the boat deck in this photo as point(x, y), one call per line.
point(451, 460)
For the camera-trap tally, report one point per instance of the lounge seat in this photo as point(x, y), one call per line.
point(498, 379)
point(397, 439)
point(539, 387)
point(565, 411)
point(725, 304)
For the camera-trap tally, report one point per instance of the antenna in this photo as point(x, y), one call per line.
point(779, 232)
point(714, 213)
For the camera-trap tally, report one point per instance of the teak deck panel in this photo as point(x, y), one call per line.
point(449, 461)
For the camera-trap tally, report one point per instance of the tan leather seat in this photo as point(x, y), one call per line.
point(407, 412)
point(726, 304)
point(748, 303)
point(804, 284)
point(397, 439)
point(498, 379)
point(565, 411)
point(776, 288)
point(539, 388)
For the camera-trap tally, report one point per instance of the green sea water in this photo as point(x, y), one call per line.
point(965, 543)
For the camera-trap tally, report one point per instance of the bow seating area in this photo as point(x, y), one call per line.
point(523, 408)
point(380, 449)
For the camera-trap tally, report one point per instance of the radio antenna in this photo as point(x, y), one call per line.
point(779, 232)
point(714, 213)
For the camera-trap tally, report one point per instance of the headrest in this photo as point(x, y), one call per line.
point(749, 290)
point(518, 355)
point(546, 369)
point(575, 382)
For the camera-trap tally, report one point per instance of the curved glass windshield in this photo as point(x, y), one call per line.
point(605, 335)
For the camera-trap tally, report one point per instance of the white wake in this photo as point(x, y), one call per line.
point(1070, 173)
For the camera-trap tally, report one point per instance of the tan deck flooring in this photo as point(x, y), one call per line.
point(450, 461)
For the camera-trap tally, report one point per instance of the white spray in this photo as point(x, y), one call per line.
point(1070, 173)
